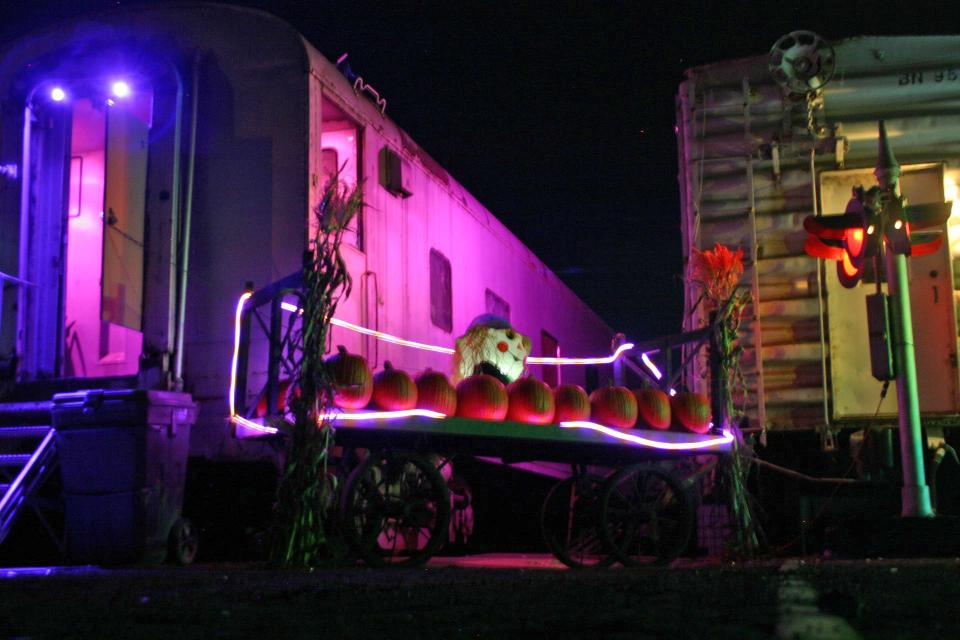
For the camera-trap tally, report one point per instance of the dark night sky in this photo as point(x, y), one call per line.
point(559, 116)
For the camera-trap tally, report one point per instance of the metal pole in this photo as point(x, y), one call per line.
point(187, 215)
point(915, 495)
point(618, 375)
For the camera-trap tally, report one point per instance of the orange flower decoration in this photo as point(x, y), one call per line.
point(717, 271)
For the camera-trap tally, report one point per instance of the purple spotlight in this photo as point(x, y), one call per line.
point(57, 94)
point(120, 89)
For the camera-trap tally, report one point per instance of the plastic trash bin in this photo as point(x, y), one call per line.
point(123, 462)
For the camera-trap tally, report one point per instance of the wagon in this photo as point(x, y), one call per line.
point(623, 500)
point(620, 502)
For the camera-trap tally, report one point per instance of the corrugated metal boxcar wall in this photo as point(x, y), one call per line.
point(755, 160)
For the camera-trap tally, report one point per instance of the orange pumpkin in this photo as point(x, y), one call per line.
point(285, 393)
point(530, 401)
point(482, 397)
point(434, 392)
point(653, 406)
point(691, 412)
point(393, 389)
point(352, 379)
point(613, 407)
point(572, 403)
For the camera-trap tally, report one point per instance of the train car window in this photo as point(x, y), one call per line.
point(550, 348)
point(395, 174)
point(330, 161)
point(441, 291)
point(496, 305)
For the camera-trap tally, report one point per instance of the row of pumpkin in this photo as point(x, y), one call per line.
point(528, 400)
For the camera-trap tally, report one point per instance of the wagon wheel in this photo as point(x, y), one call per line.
point(568, 521)
point(395, 509)
point(646, 516)
point(182, 542)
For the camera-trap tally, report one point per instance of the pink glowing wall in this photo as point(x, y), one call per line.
point(392, 272)
point(93, 347)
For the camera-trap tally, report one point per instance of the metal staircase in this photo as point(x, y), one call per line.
point(27, 459)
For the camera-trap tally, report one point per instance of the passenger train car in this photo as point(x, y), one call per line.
point(154, 160)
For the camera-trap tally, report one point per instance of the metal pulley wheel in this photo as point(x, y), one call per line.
point(802, 61)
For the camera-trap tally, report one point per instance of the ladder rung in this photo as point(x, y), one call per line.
point(23, 432)
point(14, 459)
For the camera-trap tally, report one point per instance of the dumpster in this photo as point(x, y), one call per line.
point(123, 462)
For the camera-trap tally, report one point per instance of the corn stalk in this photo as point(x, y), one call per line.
point(304, 494)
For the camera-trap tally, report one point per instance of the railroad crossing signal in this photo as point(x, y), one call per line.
point(872, 216)
point(877, 224)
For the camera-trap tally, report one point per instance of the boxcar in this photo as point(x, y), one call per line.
point(756, 158)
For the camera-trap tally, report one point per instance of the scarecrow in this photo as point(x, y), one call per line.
point(490, 346)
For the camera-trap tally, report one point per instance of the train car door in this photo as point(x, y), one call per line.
point(83, 210)
point(341, 157)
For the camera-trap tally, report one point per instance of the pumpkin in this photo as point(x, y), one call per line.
point(572, 403)
point(284, 395)
point(352, 379)
point(434, 392)
point(614, 407)
point(653, 406)
point(530, 401)
point(691, 412)
point(393, 389)
point(482, 397)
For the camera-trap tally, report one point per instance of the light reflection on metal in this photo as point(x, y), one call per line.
point(33, 572)
point(711, 443)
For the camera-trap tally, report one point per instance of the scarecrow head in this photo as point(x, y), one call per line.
point(490, 346)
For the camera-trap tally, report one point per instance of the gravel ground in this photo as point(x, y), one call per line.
point(880, 599)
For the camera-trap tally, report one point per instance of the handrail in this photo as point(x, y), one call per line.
point(16, 280)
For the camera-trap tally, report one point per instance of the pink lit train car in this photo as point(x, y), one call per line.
point(154, 160)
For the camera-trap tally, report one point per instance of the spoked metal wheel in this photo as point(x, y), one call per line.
point(646, 517)
point(183, 541)
point(568, 521)
point(395, 509)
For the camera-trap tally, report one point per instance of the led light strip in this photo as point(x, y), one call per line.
point(236, 350)
point(381, 415)
point(386, 337)
point(256, 426)
point(607, 360)
point(634, 440)
point(653, 368)
point(726, 438)
point(268, 430)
